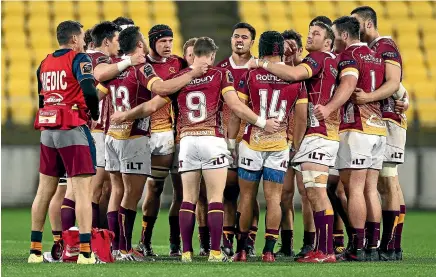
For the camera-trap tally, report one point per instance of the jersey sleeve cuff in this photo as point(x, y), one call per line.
point(393, 62)
point(242, 96)
point(101, 88)
point(227, 89)
point(350, 71)
point(302, 101)
point(151, 82)
point(309, 70)
point(166, 98)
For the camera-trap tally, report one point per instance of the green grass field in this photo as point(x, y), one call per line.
point(419, 255)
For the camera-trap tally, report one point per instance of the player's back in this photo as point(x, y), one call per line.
point(126, 92)
point(200, 103)
point(360, 61)
point(269, 97)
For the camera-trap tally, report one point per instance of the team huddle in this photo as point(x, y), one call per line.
point(117, 116)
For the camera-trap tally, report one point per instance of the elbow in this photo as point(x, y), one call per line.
point(100, 76)
point(160, 90)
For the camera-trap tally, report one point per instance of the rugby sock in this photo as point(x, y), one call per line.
point(350, 234)
point(126, 219)
point(174, 230)
point(95, 214)
point(228, 235)
point(241, 241)
point(287, 237)
point(252, 236)
point(391, 244)
point(68, 214)
point(204, 236)
point(388, 229)
point(85, 244)
point(399, 229)
point(147, 228)
point(338, 238)
point(187, 223)
point(215, 219)
point(358, 238)
point(57, 235)
point(35, 243)
point(112, 221)
point(271, 236)
point(309, 238)
point(324, 231)
point(372, 233)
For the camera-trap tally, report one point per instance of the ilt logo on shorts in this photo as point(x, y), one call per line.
point(134, 166)
point(316, 156)
point(358, 162)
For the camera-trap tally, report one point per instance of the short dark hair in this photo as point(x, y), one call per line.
point(243, 25)
point(88, 38)
point(204, 46)
point(348, 24)
point(105, 29)
point(271, 43)
point(121, 20)
point(66, 30)
point(128, 39)
point(366, 13)
point(323, 19)
point(293, 35)
point(190, 42)
point(329, 32)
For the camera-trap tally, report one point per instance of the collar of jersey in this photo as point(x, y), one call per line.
point(234, 66)
point(358, 44)
point(156, 61)
point(377, 39)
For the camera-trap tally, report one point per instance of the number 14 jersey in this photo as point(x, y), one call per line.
point(269, 97)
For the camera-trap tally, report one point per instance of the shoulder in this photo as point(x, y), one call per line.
point(224, 63)
point(80, 57)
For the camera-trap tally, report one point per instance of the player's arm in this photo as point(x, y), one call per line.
point(82, 70)
point(300, 118)
point(105, 71)
point(102, 91)
point(40, 97)
point(234, 123)
point(387, 89)
point(286, 72)
point(172, 85)
point(141, 111)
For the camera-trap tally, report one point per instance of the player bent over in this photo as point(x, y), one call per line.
point(67, 92)
point(262, 153)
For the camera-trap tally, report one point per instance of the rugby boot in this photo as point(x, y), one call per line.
point(304, 251)
point(268, 257)
point(146, 250)
point(387, 255)
point(240, 256)
point(399, 254)
point(175, 250)
point(218, 258)
point(187, 257)
point(372, 255)
point(35, 259)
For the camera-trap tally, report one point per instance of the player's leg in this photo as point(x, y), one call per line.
point(68, 208)
point(399, 229)
point(308, 222)
point(99, 177)
point(104, 202)
point(251, 250)
point(373, 217)
point(201, 214)
point(151, 204)
point(231, 193)
point(117, 193)
point(175, 248)
point(338, 226)
point(287, 221)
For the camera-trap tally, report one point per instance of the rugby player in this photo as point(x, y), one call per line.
point(261, 153)
point(203, 149)
point(66, 92)
point(89, 44)
point(242, 40)
point(362, 130)
point(128, 156)
point(320, 145)
point(162, 145)
point(393, 206)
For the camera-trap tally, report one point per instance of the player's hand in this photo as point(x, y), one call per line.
point(253, 64)
point(291, 49)
point(401, 106)
point(360, 97)
point(321, 112)
point(234, 157)
point(199, 70)
point(138, 58)
point(272, 125)
point(118, 117)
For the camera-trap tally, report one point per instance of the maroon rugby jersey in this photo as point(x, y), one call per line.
point(128, 90)
point(269, 97)
point(200, 103)
point(368, 67)
point(97, 58)
point(162, 120)
point(323, 71)
point(388, 50)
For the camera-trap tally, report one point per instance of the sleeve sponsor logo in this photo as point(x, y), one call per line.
point(86, 68)
point(103, 59)
point(148, 70)
point(347, 63)
point(310, 61)
point(390, 55)
point(229, 76)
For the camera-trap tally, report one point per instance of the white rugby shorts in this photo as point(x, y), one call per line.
point(99, 138)
point(253, 160)
point(395, 143)
point(317, 150)
point(162, 143)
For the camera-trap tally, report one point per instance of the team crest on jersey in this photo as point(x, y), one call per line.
point(224, 64)
point(103, 59)
point(241, 84)
point(86, 68)
point(229, 76)
point(333, 71)
point(172, 70)
point(311, 61)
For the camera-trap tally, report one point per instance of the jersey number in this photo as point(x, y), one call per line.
point(372, 74)
point(197, 107)
point(274, 111)
point(120, 93)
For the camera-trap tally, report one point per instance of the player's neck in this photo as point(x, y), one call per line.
point(155, 56)
point(273, 59)
point(241, 60)
point(102, 49)
point(68, 46)
point(372, 36)
point(351, 42)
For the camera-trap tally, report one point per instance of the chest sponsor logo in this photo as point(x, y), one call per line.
point(54, 98)
point(268, 77)
point(375, 121)
point(204, 80)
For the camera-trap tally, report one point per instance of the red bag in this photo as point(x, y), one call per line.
point(101, 242)
point(71, 250)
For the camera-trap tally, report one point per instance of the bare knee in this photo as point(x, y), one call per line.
point(156, 188)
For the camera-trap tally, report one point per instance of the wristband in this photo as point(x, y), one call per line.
point(231, 144)
point(265, 64)
point(125, 63)
point(257, 62)
point(260, 122)
point(406, 100)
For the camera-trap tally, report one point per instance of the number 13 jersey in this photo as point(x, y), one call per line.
point(200, 103)
point(269, 97)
